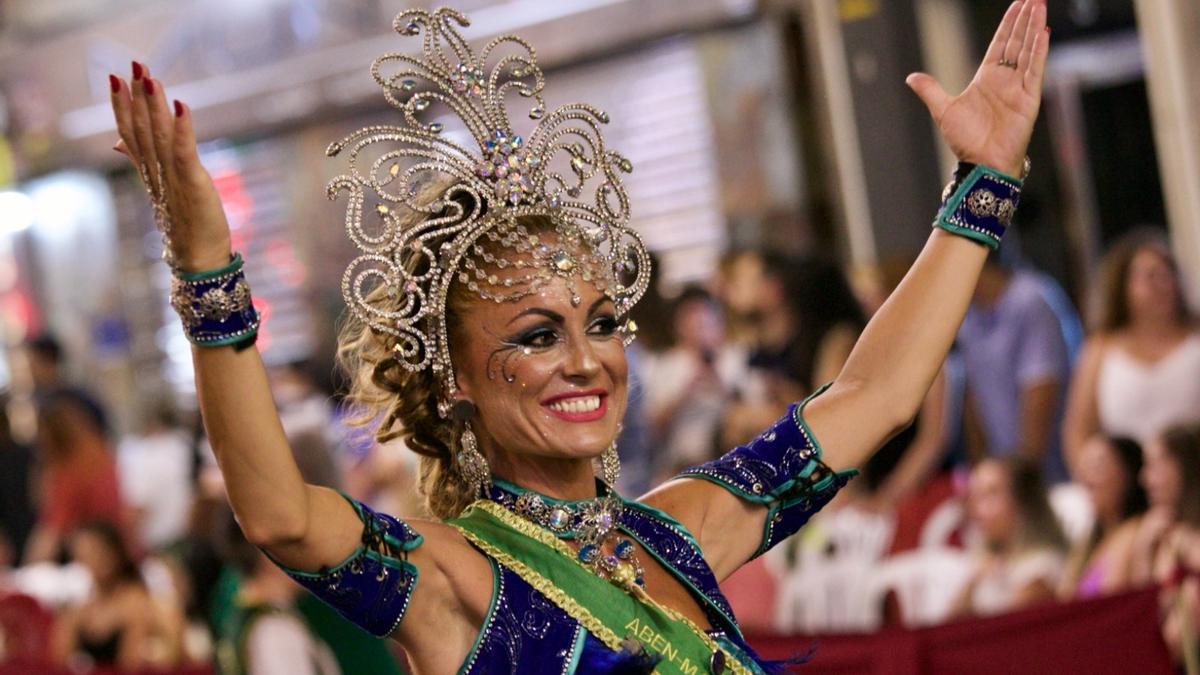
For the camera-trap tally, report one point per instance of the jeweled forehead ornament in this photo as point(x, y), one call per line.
point(429, 205)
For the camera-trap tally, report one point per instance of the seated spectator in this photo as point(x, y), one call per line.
point(78, 482)
point(46, 366)
point(1168, 551)
point(689, 386)
point(737, 285)
point(1171, 478)
point(1103, 562)
point(809, 320)
point(1022, 547)
point(303, 407)
point(1139, 372)
point(263, 634)
point(16, 503)
point(155, 468)
point(120, 626)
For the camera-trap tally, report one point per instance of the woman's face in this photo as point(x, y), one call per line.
point(1150, 287)
point(740, 287)
point(91, 551)
point(699, 326)
point(1161, 476)
point(990, 503)
point(1102, 476)
point(547, 376)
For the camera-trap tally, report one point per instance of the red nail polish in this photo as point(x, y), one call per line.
point(1047, 29)
point(114, 83)
point(178, 108)
point(137, 70)
point(149, 84)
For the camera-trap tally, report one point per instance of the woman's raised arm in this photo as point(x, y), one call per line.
point(901, 350)
point(306, 528)
point(898, 355)
point(300, 525)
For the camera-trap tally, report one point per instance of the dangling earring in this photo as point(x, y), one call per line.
point(610, 464)
point(472, 465)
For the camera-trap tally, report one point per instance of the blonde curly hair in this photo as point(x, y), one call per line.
point(403, 404)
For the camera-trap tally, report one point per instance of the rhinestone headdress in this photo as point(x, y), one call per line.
point(446, 205)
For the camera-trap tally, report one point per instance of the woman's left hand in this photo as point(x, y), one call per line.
point(991, 121)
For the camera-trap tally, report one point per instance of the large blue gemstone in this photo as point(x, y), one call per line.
point(624, 549)
point(588, 553)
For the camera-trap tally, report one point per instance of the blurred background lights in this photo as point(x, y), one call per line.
point(16, 211)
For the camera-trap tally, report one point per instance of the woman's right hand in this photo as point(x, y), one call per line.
point(162, 146)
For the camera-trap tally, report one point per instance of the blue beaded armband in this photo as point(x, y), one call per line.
point(372, 587)
point(782, 469)
point(980, 206)
point(215, 306)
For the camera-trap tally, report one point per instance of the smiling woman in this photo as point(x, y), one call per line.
point(549, 378)
point(488, 324)
point(545, 374)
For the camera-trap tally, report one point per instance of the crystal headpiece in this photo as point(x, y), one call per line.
point(449, 205)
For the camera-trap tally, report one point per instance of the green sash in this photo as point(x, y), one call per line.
point(603, 609)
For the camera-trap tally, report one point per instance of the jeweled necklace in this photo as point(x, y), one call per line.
point(591, 522)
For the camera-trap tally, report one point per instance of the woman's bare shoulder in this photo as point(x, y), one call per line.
point(1093, 352)
point(444, 536)
point(1124, 535)
point(1100, 342)
point(444, 547)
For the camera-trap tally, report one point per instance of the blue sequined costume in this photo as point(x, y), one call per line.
point(524, 631)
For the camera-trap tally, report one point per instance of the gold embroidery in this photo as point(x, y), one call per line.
point(565, 601)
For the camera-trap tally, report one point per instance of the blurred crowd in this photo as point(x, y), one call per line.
point(119, 553)
point(1048, 463)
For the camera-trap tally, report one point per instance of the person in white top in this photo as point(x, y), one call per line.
point(1139, 372)
point(1021, 546)
point(689, 386)
point(265, 633)
point(155, 469)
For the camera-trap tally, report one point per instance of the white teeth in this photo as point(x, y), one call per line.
point(582, 404)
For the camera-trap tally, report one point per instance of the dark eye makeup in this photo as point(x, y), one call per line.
point(541, 336)
point(603, 325)
point(544, 335)
point(537, 337)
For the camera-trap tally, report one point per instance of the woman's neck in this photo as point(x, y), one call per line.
point(557, 477)
point(105, 587)
point(1108, 521)
point(999, 549)
point(108, 587)
point(1155, 328)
